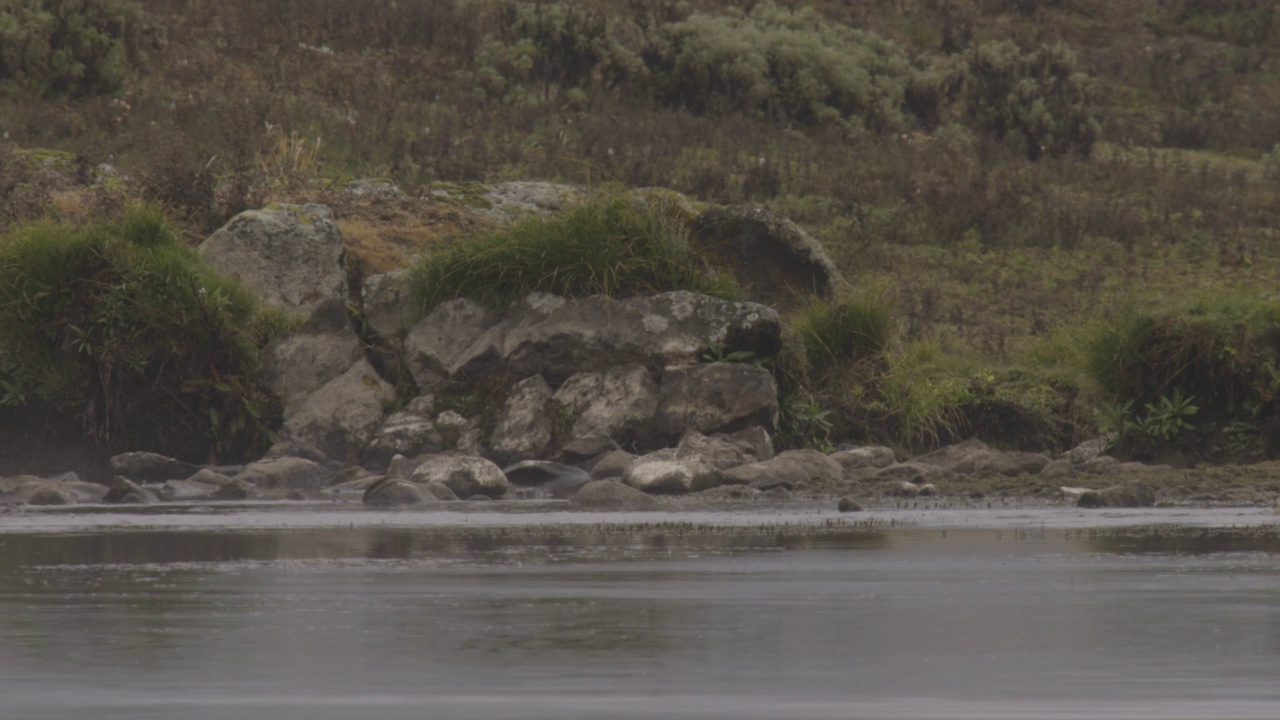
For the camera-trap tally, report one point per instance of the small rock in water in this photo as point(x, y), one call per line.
point(906, 489)
point(928, 490)
point(848, 505)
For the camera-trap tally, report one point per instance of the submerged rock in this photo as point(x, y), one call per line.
point(555, 479)
point(391, 491)
point(609, 495)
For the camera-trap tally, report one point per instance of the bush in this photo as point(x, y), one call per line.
point(1037, 102)
point(68, 47)
point(605, 247)
point(779, 64)
point(843, 331)
point(128, 330)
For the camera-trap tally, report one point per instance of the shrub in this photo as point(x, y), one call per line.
point(123, 327)
point(844, 331)
point(1037, 102)
point(68, 47)
point(608, 247)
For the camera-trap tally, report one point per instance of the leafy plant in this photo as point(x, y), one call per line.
point(68, 47)
point(805, 423)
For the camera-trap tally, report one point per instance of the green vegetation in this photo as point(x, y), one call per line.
point(608, 247)
point(121, 326)
point(68, 47)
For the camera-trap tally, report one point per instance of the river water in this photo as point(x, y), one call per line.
point(310, 612)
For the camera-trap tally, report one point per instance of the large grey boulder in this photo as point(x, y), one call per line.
point(858, 460)
point(554, 337)
point(127, 492)
point(714, 397)
point(773, 259)
point(722, 451)
point(343, 416)
point(64, 489)
point(293, 256)
point(664, 473)
point(523, 429)
point(437, 342)
point(391, 491)
point(790, 469)
point(556, 479)
point(302, 362)
point(386, 305)
point(616, 403)
point(147, 467)
point(610, 495)
point(465, 475)
point(409, 432)
point(286, 473)
point(974, 457)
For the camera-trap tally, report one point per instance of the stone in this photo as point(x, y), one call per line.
point(906, 489)
point(1059, 469)
point(147, 467)
point(49, 494)
point(237, 488)
point(610, 495)
point(343, 416)
point(509, 201)
point(390, 491)
point(460, 433)
point(465, 475)
point(556, 479)
point(714, 397)
point(615, 404)
point(387, 305)
point(792, 468)
point(292, 256)
point(288, 473)
point(303, 361)
point(1089, 449)
point(773, 259)
point(290, 448)
point(995, 462)
point(127, 492)
point(612, 464)
point(408, 433)
point(1133, 494)
point(847, 505)
point(952, 455)
point(914, 472)
point(523, 429)
point(663, 473)
point(438, 341)
point(373, 188)
point(1101, 465)
point(187, 490)
point(928, 490)
point(441, 491)
point(864, 457)
point(585, 452)
point(721, 452)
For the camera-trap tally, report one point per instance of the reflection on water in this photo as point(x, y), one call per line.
point(617, 621)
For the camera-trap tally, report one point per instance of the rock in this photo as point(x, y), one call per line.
point(509, 201)
point(554, 337)
point(64, 489)
point(793, 467)
point(914, 472)
point(291, 255)
point(296, 496)
point(465, 475)
point(614, 405)
point(755, 438)
point(127, 492)
point(236, 489)
point(612, 464)
point(387, 306)
point(343, 416)
point(584, 452)
point(774, 260)
point(1127, 495)
point(373, 188)
point(146, 467)
point(390, 491)
point(995, 462)
point(1089, 449)
point(721, 452)
point(441, 491)
point(864, 457)
point(410, 432)
point(732, 492)
point(928, 490)
point(302, 362)
point(459, 433)
point(663, 473)
point(1101, 465)
point(952, 455)
point(437, 342)
point(609, 495)
point(714, 397)
point(557, 479)
point(848, 504)
point(49, 494)
point(523, 429)
point(187, 490)
point(287, 473)
point(1058, 470)
point(289, 448)
point(906, 489)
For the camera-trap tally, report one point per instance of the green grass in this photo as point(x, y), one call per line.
point(606, 247)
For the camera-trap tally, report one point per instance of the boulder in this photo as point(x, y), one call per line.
point(663, 473)
point(615, 404)
point(721, 452)
point(610, 495)
point(302, 362)
point(847, 505)
point(864, 457)
point(996, 462)
point(146, 467)
point(1058, 470)
point(236, 488)
point(387, 306)
point(906, 489)
point(1133, 494)
point(390, 491)
point(952, 455)
point(460, 433)
point(188, 489)
point(554, 337)
point(1089, 449)
point(64, 489)
point(774, 260)
point(288, 473)
point(409, 432)
point(127, 492)
point(523, 429)
point(373, 189)
point(914, 472)
point(714, 397)
point(465, 475)
point(612, 464)
point(557, 479)
point(342, 417)
point(291, 448)
point(48, 494)
point(789, 469)
point(585, 452)
point(436, 343)
point(293, 256)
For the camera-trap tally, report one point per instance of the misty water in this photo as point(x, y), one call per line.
point(310, 612)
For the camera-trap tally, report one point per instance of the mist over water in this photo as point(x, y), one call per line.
point(504, 615)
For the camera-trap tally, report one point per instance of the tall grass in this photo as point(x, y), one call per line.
point(609, 247)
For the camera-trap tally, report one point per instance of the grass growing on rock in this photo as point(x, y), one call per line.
point(607, 247)
point(121, 326)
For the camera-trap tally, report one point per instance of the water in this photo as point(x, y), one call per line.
point(275, 612)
